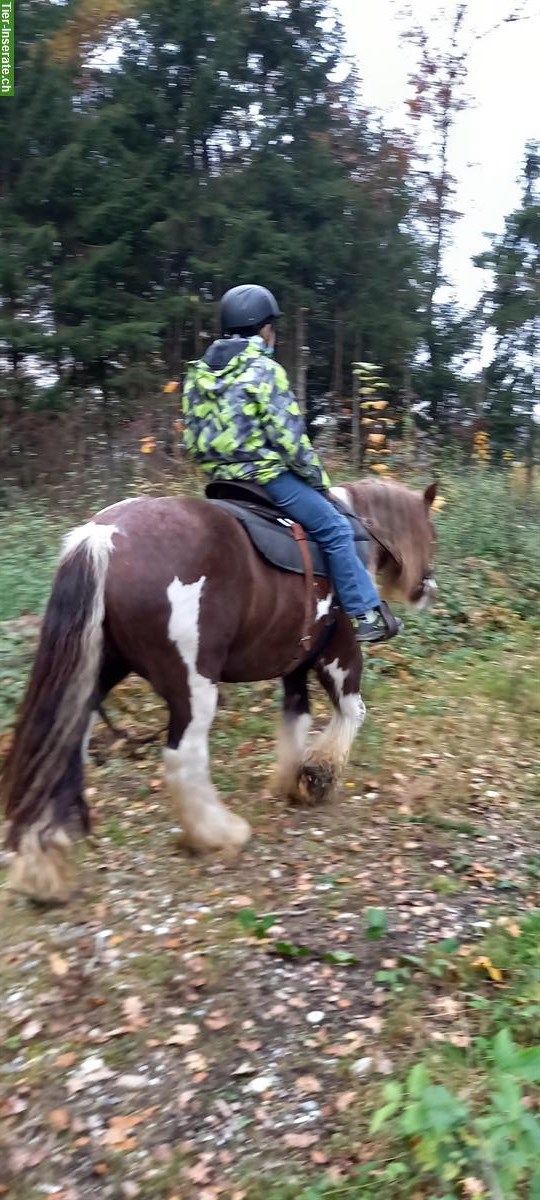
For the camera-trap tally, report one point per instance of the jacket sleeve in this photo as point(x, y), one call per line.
point(188, 417)
point(284, 427)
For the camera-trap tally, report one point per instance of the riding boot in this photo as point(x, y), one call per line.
point(377, 625)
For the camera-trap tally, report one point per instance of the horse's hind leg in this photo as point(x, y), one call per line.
point(206, 822)
point(293, 735)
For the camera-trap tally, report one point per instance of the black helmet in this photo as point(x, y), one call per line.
point(247, 307)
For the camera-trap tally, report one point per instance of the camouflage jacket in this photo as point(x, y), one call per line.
point(241, 419)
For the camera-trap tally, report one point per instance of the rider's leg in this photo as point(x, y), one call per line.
point(354, 586)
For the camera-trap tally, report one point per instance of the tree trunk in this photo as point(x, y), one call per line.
point(337, 374)
point(356, 410)
point(302, 356)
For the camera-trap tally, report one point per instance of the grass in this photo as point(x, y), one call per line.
point(454, 719)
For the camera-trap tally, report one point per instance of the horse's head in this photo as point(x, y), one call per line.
point(399, 520)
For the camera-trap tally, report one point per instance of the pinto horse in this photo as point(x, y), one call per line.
point(173, 590)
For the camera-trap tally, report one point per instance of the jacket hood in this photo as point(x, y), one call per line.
point(223, 361)
point(221, 353)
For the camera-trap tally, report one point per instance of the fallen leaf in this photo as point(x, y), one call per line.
point(250, 1047)
point(461, 1040)
point(447, 1006)
point(67, 1059)
point(117, 1140)
point(319, 1158)
point(130, 1121)
point(473, 1187)
point(309, 1084)
point(195, 1062)
point(374, 1024)
point(300, 1141)
point(31, 1030)
point(216, 1021)
point(59, 1119)
point(58, 965)
point(132, 1009)
point(199, 1173)
point(485, 963)
point(183, 1035)
point(344, 1101)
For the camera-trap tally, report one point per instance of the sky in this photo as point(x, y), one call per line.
point(488, 141)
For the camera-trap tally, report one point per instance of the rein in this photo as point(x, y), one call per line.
point(395, 554)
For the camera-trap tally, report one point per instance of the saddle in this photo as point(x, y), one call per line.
point(281, 541)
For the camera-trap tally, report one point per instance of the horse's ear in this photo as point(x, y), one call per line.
point(430, 494)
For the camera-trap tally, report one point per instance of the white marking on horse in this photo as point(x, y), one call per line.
point(87, 737)
point(97, 540)
point(42, 867)
point(430, 587)
point(336, 740)
point(292, 742)
point(207, 823)
point(337, 675)
point(324, 606)
point(340, 493)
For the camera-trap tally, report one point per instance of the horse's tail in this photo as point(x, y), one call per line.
point(41, 782)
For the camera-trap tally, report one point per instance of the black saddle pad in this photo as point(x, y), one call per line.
point(271, 531)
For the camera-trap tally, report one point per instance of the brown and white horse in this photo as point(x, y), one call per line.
point(173, 590)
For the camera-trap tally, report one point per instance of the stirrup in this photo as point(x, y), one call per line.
point(385, 626)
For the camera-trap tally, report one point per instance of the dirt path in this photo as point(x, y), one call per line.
point(153, 1046)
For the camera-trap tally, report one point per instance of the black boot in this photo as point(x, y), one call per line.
point(379, 626)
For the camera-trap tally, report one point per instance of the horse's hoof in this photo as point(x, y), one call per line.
point(315, 784)
point(228, 841)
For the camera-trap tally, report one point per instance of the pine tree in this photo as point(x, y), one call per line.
point(512, 307)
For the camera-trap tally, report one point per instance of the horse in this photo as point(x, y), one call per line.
point(172, 589)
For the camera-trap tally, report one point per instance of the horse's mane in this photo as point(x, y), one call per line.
point(399, 516)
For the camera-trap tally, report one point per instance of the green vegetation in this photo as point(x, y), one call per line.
point(447, 783)
point(131, 204)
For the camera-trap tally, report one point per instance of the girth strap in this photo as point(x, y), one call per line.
point(309, 596)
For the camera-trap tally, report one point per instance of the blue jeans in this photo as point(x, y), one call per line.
point(352, 583)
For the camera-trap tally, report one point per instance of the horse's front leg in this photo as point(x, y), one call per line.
point(293, 735)
point(339, 669)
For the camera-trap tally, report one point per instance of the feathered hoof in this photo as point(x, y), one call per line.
point(226, 837)
point(316, 783)
point(43, 873)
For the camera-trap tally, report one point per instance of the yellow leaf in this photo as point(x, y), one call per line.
point(171, 386)
point(438, 504)
point(380, 468)
point(376, 439)
point(486, 964)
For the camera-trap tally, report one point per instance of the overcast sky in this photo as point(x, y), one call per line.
point(489, 137)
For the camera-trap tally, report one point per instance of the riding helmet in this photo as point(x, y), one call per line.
point(247, 306)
